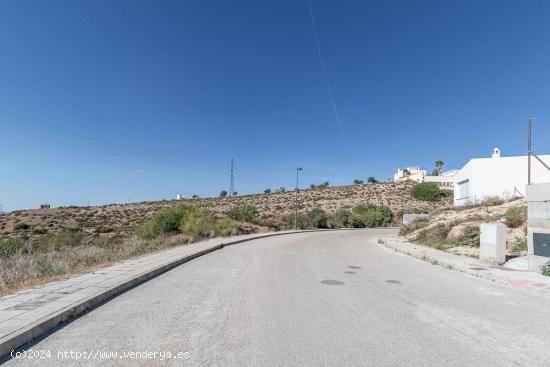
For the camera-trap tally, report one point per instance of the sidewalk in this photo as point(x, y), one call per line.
point(523, 280)
point(27, 314)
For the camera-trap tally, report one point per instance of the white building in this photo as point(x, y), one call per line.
point(410, 173)
point(417, 174)
point(505, 177)
point(445, 179)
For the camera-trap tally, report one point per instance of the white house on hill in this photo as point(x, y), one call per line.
point(505, 177)
point(410, 173)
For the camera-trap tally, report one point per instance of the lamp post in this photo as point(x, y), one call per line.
point(296, 200)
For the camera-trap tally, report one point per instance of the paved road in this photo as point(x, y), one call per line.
point(314, 299)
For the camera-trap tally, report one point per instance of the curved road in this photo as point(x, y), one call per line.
point(313, 299)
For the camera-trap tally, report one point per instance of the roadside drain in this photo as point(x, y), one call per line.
point(331, 282)
point(475, 268)
point(393, 281)
point(354, 267)
point(350, 272)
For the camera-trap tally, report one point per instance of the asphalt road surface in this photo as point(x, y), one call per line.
point(313, 299)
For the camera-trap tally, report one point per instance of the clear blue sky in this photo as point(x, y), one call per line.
point(109, 101)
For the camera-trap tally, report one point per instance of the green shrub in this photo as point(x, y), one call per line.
point(243, 212)
point(10, 247)
point(317, 218)
point(164, 221)
point(186, 219)
point(224, 227)
point(427, 191)
point(197, 222)
point(545, 269)
point(303, 221)
point(516, 216)
point(21, 226)
point(342, 218)
point(370, 215)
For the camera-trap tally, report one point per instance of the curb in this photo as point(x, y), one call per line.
point(446, 264)
point(434, 260)
point(47, 323)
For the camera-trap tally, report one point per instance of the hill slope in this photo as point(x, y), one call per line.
point(123, 218)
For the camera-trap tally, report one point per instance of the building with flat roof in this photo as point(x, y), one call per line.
point(505, 177)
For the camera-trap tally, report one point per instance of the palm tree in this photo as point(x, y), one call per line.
point(438, 168)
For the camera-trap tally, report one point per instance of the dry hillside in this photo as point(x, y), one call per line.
point(456, 230)
point(123, 218)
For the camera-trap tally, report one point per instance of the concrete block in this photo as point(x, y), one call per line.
point(538, 192)
point(492, 247)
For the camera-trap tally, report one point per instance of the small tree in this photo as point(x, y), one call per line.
point(223, 193)
point(282, 189)
point(438, 167)
point(372, 180)
point(267, 191)
point(235, 193)
point(312, 186)
point(195, 196)
point(357, 182)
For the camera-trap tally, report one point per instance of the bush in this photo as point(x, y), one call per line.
point(197, 222)
point(303, 221)
point(243, 212)
point(164, 221)
point(370, 215)
point(516, 216)
point(545, 269)
point(342, 218)
point(10, 247)
point(186, 219)
point(317, 218)
point(224, 227)
point(427, 191)
point(22, 226)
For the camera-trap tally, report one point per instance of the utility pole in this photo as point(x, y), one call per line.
point(529, 150)
point(231, 178)
point(296, 200)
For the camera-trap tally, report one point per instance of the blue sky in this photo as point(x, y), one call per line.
point(110, 101)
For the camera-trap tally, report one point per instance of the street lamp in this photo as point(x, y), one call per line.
point(296, 201)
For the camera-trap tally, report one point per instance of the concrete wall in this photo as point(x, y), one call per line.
point(499, 176)
point(538, 222)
